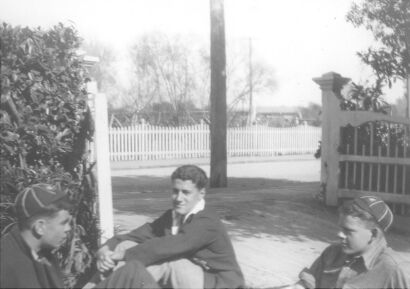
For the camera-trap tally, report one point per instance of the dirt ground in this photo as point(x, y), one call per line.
point(276, 224)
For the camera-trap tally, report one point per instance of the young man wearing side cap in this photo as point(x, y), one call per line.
point(362, 259)
point(26, 252)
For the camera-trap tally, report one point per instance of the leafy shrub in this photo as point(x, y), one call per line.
point(45, 127)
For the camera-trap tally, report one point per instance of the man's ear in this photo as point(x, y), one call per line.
point(202, 192)
point(375, 233)
point(38, 227)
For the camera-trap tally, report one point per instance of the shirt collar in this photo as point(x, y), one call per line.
point(370, 256)
point(196, 209)
point(35, 255)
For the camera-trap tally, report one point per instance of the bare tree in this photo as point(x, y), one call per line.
point(245, 78)
point(163, 73)
point(218, 175)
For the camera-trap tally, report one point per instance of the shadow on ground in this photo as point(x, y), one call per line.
point(250, 207)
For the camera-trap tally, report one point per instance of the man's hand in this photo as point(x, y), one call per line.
point(118, 255)
point(119, 252)
point(105, 263)
point(125, 245)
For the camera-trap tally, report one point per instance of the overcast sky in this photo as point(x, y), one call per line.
point(299, 39)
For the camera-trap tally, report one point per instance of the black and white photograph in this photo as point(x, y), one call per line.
point(205, 144)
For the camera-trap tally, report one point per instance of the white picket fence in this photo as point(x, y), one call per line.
point(145, 142)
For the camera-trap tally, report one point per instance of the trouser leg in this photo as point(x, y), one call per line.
point(177, 274)
point(132, 275)
point(160, 273)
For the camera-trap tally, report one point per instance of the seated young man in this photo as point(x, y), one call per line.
point(27, 259)
point(186, 247)
point(362, 259)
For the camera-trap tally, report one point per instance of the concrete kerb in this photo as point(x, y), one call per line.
point(142, 164)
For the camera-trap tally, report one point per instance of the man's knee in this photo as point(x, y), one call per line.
point(180, 264)
point(185, 265)
point(186, 274)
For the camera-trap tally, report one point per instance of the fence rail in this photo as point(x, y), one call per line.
point(145, 142)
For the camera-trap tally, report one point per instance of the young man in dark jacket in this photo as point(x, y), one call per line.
point(27, 259)
point(186, 247)
point(362, 259)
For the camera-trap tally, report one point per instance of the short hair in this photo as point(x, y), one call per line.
point(192, 173)
point(350, 208)
point(48, 211)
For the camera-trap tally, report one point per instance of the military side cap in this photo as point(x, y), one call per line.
point(377, 208)
point(33, 199)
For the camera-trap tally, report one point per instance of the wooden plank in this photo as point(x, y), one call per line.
point(371, 154)
point(388, 155)
point(392, 198)
point(395, 177)
point(375, 159)
point(347, 169)
point(379, 153)
point(355, 141)
point(362, 170)
point(371, 138)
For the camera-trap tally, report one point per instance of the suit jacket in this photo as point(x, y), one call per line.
point(202, 239)
point(19, 269)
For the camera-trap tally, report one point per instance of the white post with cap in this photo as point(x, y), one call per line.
point(105, 205)
point(100, 154)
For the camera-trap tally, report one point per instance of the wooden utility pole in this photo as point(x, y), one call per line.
point(218, 175)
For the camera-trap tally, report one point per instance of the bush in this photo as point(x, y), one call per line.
point(45, 127)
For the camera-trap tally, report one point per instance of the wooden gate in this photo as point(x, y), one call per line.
point(363, 153)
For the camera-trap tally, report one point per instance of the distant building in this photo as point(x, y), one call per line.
point(280, 116)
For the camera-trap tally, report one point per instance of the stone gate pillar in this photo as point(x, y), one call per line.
point(331, 84)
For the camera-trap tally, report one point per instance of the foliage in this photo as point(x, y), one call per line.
point(388, 20)
point(359, 97)
point(312, 114)
point(45, 125)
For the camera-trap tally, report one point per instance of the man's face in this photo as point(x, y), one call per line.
point(185, 195)
point(56, 229)
point(355, 237)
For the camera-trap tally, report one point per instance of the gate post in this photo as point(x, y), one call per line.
point(100, 153)
point(105, 203)
point(331, 84)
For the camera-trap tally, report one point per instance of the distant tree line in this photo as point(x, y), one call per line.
point(170, 83)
